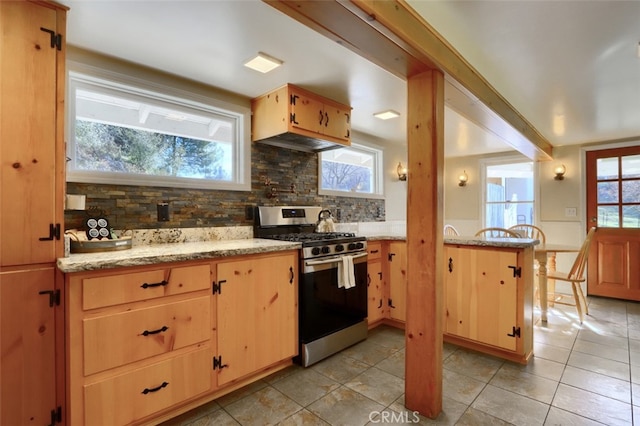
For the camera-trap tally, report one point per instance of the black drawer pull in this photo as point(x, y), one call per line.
point(160, 330)
point(147, 390)
point(373, 251)
point(292, 276)
point(161, 283)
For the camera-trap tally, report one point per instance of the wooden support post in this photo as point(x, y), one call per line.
point(425, 121)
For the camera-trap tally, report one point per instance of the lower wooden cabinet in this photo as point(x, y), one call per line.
point(124, 398)
point(376, 306)
point(27, 342)
point(175, 334)
point(398, 280)
point(387, 282)
point(116, 339)
point(257, 314)
point(488, 294)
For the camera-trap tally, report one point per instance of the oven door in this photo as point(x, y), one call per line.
point(325, 308)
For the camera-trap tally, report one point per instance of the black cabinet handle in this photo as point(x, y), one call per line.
point(292, 276)
point(368, 280)
point(515, 332)
point(54, 232)
point(380, 305)
point(373, 251)
point(161, 283)
point(321, 117)
point(326, 121)
point(156, 389)
point(450, 265)
point(160, 330)
point(391, 304)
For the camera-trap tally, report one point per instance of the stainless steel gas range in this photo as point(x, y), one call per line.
point(332, 287)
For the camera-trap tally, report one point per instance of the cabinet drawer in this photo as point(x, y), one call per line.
point(374, 250)
point(118, 339)
point(128, 397)
point(111, 290)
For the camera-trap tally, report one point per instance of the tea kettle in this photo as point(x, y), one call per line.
point(325, 222)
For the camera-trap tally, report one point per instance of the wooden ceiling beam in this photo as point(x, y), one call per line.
point(395, 37)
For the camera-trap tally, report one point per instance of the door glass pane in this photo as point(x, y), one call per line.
point(631, 191)
point(607, 192)
point(631, 166)
point(631, 217)
point(607, 168)
point(608, 217)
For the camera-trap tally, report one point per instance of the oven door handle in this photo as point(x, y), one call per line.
point(332, 260)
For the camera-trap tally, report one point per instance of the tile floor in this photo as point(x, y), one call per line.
point(580, 375)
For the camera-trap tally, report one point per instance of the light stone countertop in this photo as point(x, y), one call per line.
point(464, 240)
point(491, 242)
point(171, 252)
point(173, 245)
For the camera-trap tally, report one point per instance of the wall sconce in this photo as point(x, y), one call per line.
point(559, 171)
point(463, 178)
point(402, 172)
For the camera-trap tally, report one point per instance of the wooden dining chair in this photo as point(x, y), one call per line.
point(575, 276)
point(529, 231)
point(450, 230)
point(497, 232)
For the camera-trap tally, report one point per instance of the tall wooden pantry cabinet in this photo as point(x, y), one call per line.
point(32, 76)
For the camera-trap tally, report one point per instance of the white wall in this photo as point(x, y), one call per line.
point(394, 189)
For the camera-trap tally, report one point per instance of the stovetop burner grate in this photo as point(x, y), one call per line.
point(313, 236)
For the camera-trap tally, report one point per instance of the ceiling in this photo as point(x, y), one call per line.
point(571, 68)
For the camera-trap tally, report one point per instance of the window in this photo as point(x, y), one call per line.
point(123, 134)
point(351, 172)
point(509, 194)
point(618, 191)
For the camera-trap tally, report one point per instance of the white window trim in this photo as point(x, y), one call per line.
point(81, 73)
point(378, 180)
point(507, 160)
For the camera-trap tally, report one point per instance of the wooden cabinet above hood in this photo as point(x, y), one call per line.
point(294, 118)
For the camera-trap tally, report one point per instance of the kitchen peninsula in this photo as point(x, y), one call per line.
point(487, 289)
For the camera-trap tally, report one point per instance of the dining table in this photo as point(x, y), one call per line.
point(545, 254)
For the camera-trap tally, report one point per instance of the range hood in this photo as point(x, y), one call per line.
point(299, 142)
point(294, 118)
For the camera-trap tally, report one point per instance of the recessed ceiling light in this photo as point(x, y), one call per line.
point(263, 63)
point(385, 115)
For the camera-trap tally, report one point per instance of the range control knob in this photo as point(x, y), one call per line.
point(352, 246)
point(339, 248)
point(326, 249)
point(359, 245)
point(315, 251)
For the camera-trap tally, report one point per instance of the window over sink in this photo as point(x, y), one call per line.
point(123, 133)
point(355, 171)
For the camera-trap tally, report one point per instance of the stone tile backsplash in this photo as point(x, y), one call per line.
point(134, 207)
